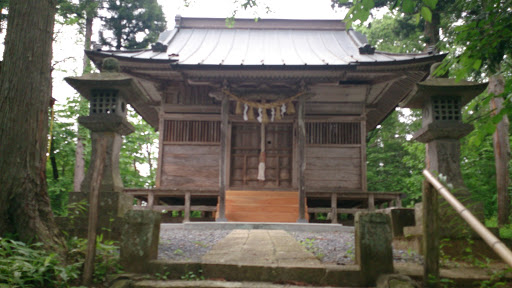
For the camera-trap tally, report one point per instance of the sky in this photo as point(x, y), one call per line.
point(68, 48)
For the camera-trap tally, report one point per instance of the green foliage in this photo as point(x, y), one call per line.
point(394, 33)
point(360, 10)
point(23, 265)
point(133, 24)
point(106, 261)
point(137, 160)
point(505, 231)
point(309, 244)
point(60, 170)
point(139, 154)
point(394, 164)
point(193, 276)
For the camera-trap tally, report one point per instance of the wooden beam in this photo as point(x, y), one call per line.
point(170, 192)
point(183, 108)
point(430, 236)
point(222, 168)
point(301, 131)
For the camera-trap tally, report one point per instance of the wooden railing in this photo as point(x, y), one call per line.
point(392, 199)
point(153, 199)
point(431, 228)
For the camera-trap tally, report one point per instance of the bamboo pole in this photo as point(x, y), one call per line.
point(478, 227)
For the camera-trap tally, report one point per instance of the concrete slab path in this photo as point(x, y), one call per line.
point(273, 248)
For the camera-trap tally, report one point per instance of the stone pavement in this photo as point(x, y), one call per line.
point(274, 248)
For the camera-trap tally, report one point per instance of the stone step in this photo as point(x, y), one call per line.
point(212, 284)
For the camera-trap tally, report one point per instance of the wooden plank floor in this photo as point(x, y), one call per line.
point(262, 206)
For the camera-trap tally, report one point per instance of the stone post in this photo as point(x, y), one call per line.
point(374, 253)
point(441, 100)
point(139, 239)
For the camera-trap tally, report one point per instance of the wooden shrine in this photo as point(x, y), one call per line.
point(266, 120)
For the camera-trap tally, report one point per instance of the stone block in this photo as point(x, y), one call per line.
point(139, 239)
point(395, 281)
point(400, 218)
point(373, 238)
point(418, 214)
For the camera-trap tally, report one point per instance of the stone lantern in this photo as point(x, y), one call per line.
point(441, 100)
point(108, 93)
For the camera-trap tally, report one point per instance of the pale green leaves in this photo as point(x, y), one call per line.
point(361, 9)
point(426, 13)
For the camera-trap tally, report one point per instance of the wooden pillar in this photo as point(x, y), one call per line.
point(371, 201)
point(398, 201)
point(151, 200)
point(187, 207)
point(334, 208)
point(301, 127)
point(224, 112)
point(430, 236)
point(364, 186)
point(97, 174)
point(161, 128)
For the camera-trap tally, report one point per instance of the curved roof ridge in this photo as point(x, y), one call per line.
point(258, 23)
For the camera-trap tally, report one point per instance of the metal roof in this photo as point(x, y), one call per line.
point(208, 41)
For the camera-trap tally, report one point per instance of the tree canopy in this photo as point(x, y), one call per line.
point(133, 24)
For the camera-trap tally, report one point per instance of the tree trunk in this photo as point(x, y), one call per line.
point(501, 150)
point(24, 99)
point(79, 173)
point(431, 31)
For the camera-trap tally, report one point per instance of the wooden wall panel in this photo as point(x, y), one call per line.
point(190, 166)
point(333, 167)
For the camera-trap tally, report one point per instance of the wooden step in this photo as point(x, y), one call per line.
point(262, 206)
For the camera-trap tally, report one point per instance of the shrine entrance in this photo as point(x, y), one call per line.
point(245, 155)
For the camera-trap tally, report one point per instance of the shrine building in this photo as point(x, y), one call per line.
point(265, 121)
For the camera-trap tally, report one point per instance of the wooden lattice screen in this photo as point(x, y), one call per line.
point(333, 133)
point(180, 131)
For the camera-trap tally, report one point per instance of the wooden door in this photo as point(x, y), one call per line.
point(245, 152)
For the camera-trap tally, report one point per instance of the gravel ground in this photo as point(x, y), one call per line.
point(179, 244)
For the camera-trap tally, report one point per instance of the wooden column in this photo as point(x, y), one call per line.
point(371, 201)
point(501, 150)
point(224, 112)
point(430, 236)
point(160, 163)
point(97, 174)
point(151, 200)
point(334, 208)
point(364, 186)
point(187, 207)
point(301, 131)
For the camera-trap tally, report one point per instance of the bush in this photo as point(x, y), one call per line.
point(28, 266)
point(23, 265)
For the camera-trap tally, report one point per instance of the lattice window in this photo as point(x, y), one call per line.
point(446, 109)
point(106, 102)
point(192, 131)
point(333, 133)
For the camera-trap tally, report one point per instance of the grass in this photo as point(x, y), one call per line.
point(505, 231)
